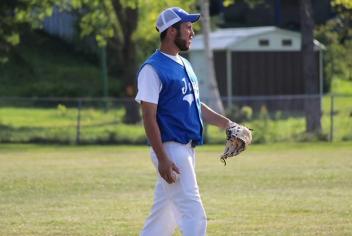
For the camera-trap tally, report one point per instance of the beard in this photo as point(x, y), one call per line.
point(180, 43)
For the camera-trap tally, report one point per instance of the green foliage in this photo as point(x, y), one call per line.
point(15, 15)
point(247, 112)
point(278, 115)
point(336, 34)
point(33, 12)
point(311, 137)
point(13, 39)
point(102, 20)
point(8, 30)
point(240, 115)
point(98, 18)
point(342, 3)
point(264, 113)
point(146, 37)
point(52, 68)
point(338, 56)
point(109, 22)
point(285, 127)
point(62, 110)
point(251, 3)
point(341, 86)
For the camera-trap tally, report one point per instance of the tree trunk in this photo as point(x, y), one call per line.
point(312, 105)
point(214, 97)
point(128, 18)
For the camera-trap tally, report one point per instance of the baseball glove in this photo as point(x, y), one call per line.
point(238, 138)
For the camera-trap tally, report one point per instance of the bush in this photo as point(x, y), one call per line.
point(240, 115)
point(62, 110)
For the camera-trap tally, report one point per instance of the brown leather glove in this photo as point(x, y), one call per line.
point(238, 138)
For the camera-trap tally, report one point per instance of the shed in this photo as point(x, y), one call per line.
point(255, 61)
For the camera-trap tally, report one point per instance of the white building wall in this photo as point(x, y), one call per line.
point(275, 42)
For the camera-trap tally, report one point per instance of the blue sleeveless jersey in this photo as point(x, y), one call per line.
point(179, 108)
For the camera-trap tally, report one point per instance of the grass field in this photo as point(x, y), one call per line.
point(59, 125)
point(279, 189)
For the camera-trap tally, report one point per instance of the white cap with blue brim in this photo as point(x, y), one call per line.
point(173, 15)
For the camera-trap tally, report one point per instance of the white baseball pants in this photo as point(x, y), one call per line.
point(177, 204)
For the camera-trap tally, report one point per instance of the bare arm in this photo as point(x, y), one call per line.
point(214, 118)
point(165, 166)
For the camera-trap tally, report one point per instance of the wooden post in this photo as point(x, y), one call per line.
point(332, 113)
point(229, 78)
point(78, 128)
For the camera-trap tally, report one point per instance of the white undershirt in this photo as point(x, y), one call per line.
point(149, 84)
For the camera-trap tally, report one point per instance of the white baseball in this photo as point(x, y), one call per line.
point(174, 176)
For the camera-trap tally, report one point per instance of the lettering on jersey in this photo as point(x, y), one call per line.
point(190, 86)
point(184, 88)
point(189, 98)
point(196, 89)
point(187, 87)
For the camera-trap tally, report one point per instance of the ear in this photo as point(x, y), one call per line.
point(172, 32)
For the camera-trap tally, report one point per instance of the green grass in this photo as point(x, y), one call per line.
point(59, 125)
point(279, 189)
point(340, 86)
point(342, 118)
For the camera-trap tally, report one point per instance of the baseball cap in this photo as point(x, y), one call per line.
point(173, 15)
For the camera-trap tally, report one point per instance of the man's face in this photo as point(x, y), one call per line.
point(184, 36)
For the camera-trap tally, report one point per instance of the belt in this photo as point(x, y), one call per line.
point(193, 143)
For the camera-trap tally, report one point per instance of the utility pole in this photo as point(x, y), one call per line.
point(104, 71)
point(104, 76)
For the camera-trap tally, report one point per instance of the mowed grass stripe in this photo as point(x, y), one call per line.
point(279, 189)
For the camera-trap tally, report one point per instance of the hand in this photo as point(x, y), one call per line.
point(166, 169)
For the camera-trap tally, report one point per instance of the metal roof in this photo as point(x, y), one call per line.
point(222, 39)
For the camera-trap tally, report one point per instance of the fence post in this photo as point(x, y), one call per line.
point(78, 128)
point(332, 117)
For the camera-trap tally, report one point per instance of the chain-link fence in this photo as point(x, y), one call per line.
point(284, 118)
point(103, 121)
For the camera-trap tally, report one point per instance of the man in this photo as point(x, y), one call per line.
point(173, 120)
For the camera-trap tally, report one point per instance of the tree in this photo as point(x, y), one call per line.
point(120, 25)
point(336, 35)
point(214, 96)
point(14, 16)
point(8, 32)
point(128, 19)
point(312, 105)
point(343, 20)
